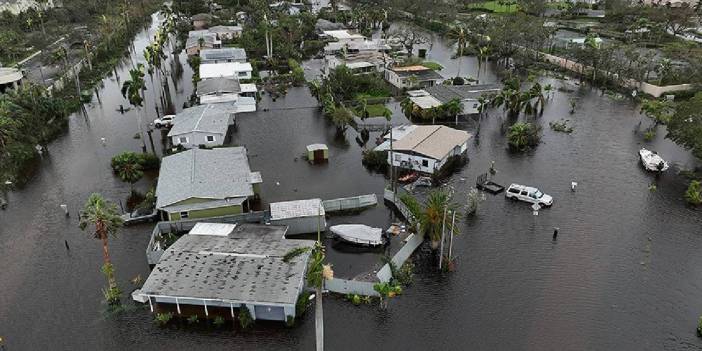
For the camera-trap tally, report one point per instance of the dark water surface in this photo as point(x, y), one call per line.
point(624, 274)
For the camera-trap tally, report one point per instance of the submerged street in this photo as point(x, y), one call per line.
point(625, 272)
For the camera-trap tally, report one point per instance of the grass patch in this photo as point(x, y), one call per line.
point(433, 65)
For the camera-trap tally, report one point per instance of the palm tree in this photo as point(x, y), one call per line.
point(535, 93)
point(104, 217)
point(342, 117)
point(133, 91)
point(452, 108)
point(61, 55)
point(522, 135)
point(483, 53)
point(459, 34)
point(430, 215)
point(130, 172)
point(408, 108)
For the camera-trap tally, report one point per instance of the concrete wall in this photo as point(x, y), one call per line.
point(345, 286)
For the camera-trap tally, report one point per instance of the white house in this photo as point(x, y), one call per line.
point(342, 35)
point(359, 63)
point(227, 90)
point(198, 41)
point(223, 55)
point(468, 95)
point(412, 76)
point(237, 70)
point(226, 32)
point(426, 148)
point(202, 125)
point(354, 46)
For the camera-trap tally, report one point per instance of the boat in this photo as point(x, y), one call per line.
point(408, 178)
point(652, 161)
point(358, 234)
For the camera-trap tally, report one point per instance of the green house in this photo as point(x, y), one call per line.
point(201, 183)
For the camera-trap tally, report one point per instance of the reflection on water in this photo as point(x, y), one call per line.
point(624, 273)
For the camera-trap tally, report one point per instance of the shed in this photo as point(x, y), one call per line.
point(301, 216)
point(317, 153)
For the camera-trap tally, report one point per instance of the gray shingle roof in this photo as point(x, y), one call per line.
point(446, 93)
point(218, 85)
point(225, 29)
point(194, 40)
point(421, 75)
point(296, 209)
point(244, 266)
point(215, 174)
point(210, 118)
point(236, 54)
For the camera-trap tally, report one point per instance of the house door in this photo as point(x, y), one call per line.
point(271, 313)
point(318, 155)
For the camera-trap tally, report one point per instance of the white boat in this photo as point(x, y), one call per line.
point(652, 161)
point(358, 234)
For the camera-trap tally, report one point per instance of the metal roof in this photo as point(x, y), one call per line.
point(421, 72)
point(425, 102)
point(194, 40)
point(9, 75)
point(237, 54)
point(245, 266)
point(216, 174)
point(225, 29)
point(296, 209)
point(223, 69)
point(202, 118)
point(313, 147)
point(220, 229)
point(432, 141)
point(218, 85)
point(446, 93)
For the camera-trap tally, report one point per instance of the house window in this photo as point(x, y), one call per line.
point(425, 163)
point(184, 214)
point(183, 140)
point(242, 74)
point(475, 105)
point(210, 138)
point(398, 157)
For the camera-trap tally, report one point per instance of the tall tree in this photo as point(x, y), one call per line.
point(459, 34)
point(409, 37)
point(133, 91)
point(103, 216)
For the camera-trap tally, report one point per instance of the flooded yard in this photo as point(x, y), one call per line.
point(625, 272)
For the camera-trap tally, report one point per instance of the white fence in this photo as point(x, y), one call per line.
point(350, 203)
point(344, 286)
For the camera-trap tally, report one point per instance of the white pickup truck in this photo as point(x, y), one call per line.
point(165, 121)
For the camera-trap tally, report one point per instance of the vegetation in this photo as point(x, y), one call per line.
point(685, 125)
point(448, 110)
point(515, 100)
point(290, 255)
point(375, 160)
point(693, 194)
point(104, 217)
point(433, 215)
point(245, 319)
point(28, 117)
point(148, 162)
point(133, 91)
point(192, 319)
point(301, 304)
point(218, 321)
point(163, 318)
point(473, 200)
point(386, 291)
point(561, 126)
point(523, 135)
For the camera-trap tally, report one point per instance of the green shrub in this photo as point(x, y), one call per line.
point(356, 299)
point(375, 160)
point(693, 194)
point(245, 319)
point(193, 319)
point(163, 318)
point(561, 126)
point(522, 136)
point(649, 134)
point(218, 321)
point(289, 321)
point(301, 304)
point(147, 161)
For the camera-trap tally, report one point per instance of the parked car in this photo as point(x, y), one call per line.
point(165, 121)
point(528, 194)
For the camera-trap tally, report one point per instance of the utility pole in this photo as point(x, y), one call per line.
point(443, 234)
point(392, 166)
point(453, 222)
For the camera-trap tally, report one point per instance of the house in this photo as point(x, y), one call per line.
point(226, 32)
point(237, 70)
point(220, 269)
point(10, 78)
point(342, 35)
point(468, 95)
point(300, 216)
point(355, 46)
point(324, 25)
point(200, 41)
point(201, 20)
point(202, 125)
point(292, 8)
point(202, 183)
point(360, 63)
point(427, 148)
point(227, 90)
point(222, 55)
point(412, 76)
point(17, 6)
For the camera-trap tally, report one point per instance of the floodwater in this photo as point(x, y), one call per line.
point(624, 274)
